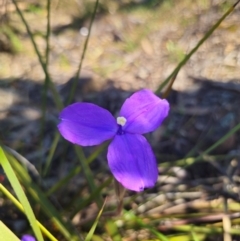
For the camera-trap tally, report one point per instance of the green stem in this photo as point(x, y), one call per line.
point(20, 194)
point(74, 84)
point(88, 173)
point(56, 96)
point(48, 31)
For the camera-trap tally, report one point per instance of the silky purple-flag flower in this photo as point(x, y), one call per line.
point(27, 237)
point(130, 156)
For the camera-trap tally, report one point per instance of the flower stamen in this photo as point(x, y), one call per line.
point(121, 121)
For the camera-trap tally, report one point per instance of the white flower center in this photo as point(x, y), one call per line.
point(121, 121)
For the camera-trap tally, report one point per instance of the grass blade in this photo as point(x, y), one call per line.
point(20, 194)
point(20, 207)
point(6, 233)
point(88, 173)
point(64, 227)
point(51, 153)
point(91, 232)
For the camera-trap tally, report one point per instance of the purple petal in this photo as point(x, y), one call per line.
point(87, 124)
point(132, 161)
point(28, 237)
point(144, 112)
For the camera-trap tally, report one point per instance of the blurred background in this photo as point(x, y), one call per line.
point(133, 45)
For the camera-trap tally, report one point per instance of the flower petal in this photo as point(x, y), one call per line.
point(132, 161)
point(144, 112)
point(87, 124)
point(28, 237)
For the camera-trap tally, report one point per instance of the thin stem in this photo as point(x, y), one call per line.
point(173, 75)
point(74, 84)
point(47, 80)
point(48, 31)
point(56, 96)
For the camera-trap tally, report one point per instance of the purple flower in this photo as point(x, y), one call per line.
point(130, 157)
point(27, 237)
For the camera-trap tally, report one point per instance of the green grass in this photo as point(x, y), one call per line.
point(92, 212)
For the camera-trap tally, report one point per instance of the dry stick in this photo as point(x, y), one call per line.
point(172, 197)
point(169, 88)
point(210, 185)
point(180, 205)
point(120, 191)
point(225, 219)
point(226, 223)
point(221, 191)
point(115, 213)
point(181, 190)
point(205, 219)
point(196, 204)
